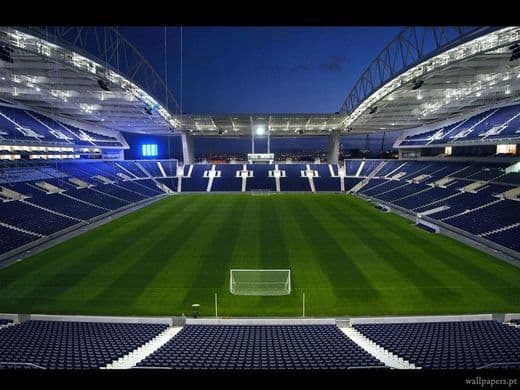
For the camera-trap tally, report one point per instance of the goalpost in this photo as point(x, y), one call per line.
point(261, 192)
point(260, 282)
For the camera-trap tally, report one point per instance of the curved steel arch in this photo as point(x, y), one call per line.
point(410, 47)
point(108, 47)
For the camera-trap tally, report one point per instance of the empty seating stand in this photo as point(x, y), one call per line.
point(261, 179)
point(228, 181)
point(493, 124)
point(293, 180)
point(33, 219)
point(196, 182)
point(71, 345)
point(11, 239)
point(508, 238)
point(449, 345)
point(324, 181)
point(232, 347)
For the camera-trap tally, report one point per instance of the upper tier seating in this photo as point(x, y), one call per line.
point(493, 124)
point(31, 127)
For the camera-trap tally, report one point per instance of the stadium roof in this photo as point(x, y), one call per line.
point(470, 72)
point(96, 77)
point(278, 124)
point(65, 80)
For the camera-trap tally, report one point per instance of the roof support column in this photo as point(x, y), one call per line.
point(333, 147)
point(187, 148)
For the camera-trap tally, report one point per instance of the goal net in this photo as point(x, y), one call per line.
point(261, 192)
point(260, 281)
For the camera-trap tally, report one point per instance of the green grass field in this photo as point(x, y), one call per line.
point(348, 258)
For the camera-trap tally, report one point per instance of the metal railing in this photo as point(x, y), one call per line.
point(499, 365)
point(30, 365)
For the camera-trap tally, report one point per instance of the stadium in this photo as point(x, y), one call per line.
point(125, 244)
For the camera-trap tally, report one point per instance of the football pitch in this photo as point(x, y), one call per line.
point(346, 256)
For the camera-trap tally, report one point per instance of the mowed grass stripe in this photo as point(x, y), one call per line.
point(214, 264)
point(411, 273)
point(151, 260)
point(120, 261)
point(89, 243)
point(349, 259)
point(489, 277)
point(470, 273)
point(339, 264)
point(307, 268)
point(246, 255)
point(48, 274)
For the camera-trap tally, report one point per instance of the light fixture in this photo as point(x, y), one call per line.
point(417, 84)
point(515, 52)
point(260, 130)
point(5, 54)
point(103, 85)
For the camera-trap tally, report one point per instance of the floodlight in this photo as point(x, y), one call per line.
point(260, 130)
point(5, 54)
point(417, 84)
point(515, 52)
point(103, 85)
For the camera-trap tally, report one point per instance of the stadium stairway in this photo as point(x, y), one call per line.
point(360, 168)
point(385, 356)
point(499, 230)
point(51, 211)
point(359, 186)
point(142, 352)
point(131, 175)
point(21, 230)
point(471, 210)
point(138, 165)
point(85, 202)
point(5, 323)
point(433, 204)
point(377, 169)
point(391, 173)
point(310, 176)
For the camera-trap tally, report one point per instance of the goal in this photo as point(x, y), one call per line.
point(261, 192)
point(260, 282)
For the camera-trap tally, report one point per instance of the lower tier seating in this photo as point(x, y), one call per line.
point(260, 347)
point(72, 345)
point(449, 345)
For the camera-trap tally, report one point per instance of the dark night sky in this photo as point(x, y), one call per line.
point(263, 69)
